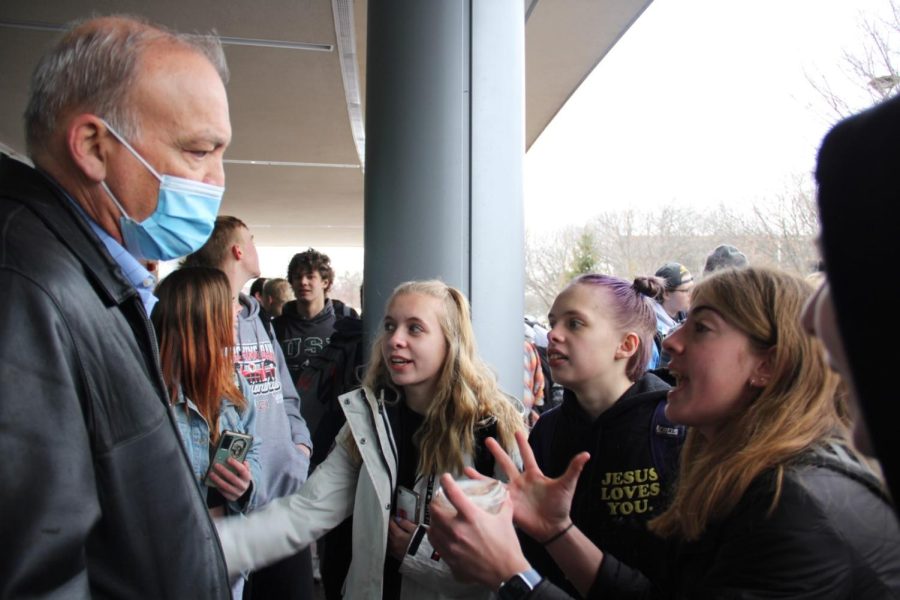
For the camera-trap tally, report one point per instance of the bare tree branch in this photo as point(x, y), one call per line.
point(872, 67)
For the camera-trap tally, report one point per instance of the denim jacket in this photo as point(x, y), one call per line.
point(194, 432)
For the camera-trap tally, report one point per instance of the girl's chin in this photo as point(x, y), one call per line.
point(675, 400)
point(562, 380)
point(397, 379)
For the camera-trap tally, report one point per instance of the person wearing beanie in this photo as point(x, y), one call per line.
point(725, 256)
point(858, 197)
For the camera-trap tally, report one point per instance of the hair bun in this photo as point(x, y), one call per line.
point(652, 287)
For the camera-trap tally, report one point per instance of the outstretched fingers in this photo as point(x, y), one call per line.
point(503, 459)
point(570, 478)
point(528, 461)
point(472, 473)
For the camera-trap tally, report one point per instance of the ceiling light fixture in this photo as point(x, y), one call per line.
point(231, 41)
point(287, 163)
point(345, 33)
point(239, 41)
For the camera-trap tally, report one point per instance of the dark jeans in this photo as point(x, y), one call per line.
point(288, 579)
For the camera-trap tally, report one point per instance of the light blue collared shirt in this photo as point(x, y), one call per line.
point(142, 279)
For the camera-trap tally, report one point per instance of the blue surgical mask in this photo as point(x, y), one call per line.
point(182, 222)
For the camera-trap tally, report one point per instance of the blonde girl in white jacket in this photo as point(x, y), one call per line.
point(426, 406)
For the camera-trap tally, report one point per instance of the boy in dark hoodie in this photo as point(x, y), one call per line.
point(304, 331)
point(305, 326)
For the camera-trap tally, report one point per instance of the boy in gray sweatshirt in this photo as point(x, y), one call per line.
point(285, 444)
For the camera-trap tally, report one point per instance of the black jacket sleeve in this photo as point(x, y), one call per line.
point(49, 501)
point(547, 591)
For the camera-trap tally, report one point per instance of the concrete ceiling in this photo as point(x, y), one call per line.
point(294, 170)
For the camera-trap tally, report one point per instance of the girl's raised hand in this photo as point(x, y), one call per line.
point(541, 504)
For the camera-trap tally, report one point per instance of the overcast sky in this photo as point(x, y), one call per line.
point(700, 102)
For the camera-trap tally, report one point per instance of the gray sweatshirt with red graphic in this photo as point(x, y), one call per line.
point(279, 423)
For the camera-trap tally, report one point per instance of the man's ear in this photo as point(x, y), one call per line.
point(628, 346)
point(88, 142)
point(236, 251)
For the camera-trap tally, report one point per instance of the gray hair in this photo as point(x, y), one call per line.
point(93, 67)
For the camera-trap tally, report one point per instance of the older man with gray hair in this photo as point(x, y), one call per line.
point(126, 125)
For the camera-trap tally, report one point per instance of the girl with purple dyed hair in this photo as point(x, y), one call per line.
point(600, 342)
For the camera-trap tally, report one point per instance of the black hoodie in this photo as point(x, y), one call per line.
point(622, 486)
point(302, 338)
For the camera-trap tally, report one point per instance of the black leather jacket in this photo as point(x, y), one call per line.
point(97, 498)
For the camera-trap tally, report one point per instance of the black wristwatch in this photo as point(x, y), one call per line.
point(519, 585)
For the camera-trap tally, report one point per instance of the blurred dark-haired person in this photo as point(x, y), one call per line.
point(126, 125)
point(256, 290)
point(859, 211)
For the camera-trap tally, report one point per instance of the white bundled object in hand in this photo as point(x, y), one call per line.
point(487, 494)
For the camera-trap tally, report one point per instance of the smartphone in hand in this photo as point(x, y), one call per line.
point(231, 444)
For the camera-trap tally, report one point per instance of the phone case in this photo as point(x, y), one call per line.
point(408, 504)
point(231, 444)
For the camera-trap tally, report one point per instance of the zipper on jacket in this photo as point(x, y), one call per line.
point(390, 435)
point(387, 424)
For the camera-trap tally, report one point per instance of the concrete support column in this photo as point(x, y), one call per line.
point(497, 151)
point(444, 154)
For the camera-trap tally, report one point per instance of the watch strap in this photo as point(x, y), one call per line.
point(519, 585)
